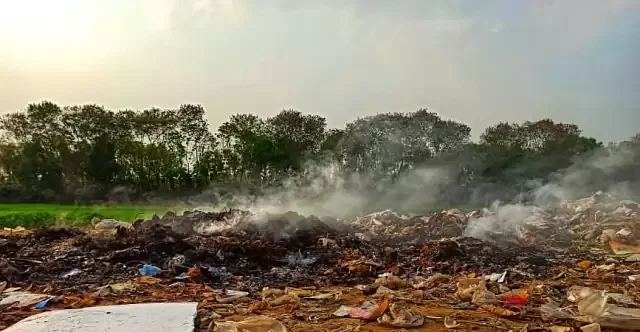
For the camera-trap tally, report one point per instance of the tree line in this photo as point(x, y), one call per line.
point(84, 153)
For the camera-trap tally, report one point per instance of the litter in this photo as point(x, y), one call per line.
point(253, 324)
point(556, 328)
point(450, 323)
point(593, 327)
point(367, 311)
point(401, 317)
point(238, 264)
point(72, 273)
point(123, 287)
point(22, 299)
point(149, 270)
point(230, 296)
point(43, 303)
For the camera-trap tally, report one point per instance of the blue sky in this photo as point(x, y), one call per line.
point(479, 62)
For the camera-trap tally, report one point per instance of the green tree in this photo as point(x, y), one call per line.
point(102, 164)
point(387, 145)
point(48, 152)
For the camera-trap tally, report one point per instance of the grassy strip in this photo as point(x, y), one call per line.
point(38, 215)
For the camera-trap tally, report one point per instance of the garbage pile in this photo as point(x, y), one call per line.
point(602, 221)
point(515, 267)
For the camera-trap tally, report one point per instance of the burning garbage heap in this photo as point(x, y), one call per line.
point(482, 256)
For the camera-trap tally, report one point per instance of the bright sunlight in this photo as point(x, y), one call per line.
point(60, 29)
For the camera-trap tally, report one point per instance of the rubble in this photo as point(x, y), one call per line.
point(304, 273)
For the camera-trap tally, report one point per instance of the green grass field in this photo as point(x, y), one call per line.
point(37, 215)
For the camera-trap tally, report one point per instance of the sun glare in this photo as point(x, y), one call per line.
point(33, 31)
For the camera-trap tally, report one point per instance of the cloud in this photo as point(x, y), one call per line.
point(344, 59)
point(158, 14)
point(163, 16)
point(574, 23)
point(498, 27)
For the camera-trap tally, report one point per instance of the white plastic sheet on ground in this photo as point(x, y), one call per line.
point(146, 317)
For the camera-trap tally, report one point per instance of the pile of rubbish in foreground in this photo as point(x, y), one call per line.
point(570, 267)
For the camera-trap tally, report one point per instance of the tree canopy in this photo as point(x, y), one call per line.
point(84, 153)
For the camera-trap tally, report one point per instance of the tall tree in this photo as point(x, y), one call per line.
point(388, 144)
point(48, 152)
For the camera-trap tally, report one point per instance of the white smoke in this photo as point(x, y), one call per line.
point(584, 178)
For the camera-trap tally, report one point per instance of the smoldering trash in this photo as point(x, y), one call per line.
point(508, 267)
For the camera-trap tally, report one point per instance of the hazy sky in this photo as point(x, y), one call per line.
point(479, 62)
